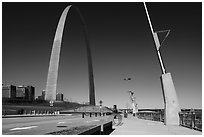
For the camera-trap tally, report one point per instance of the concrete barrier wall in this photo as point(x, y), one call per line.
point(102, 129)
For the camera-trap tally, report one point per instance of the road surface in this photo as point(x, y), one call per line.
point(45, 124)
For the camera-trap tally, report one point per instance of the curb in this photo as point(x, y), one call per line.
point(15, 116)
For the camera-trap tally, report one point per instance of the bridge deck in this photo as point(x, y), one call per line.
point(135, 126)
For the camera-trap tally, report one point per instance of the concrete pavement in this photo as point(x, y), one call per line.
point(135, 126)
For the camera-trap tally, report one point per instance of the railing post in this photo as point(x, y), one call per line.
point(181, 118)
point(160, 117)
point(193, 120)
point(184, 118)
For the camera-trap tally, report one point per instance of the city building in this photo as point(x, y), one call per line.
point(9, 91)
point(59, 97)
point(22, 92)
point(43, 93)
point(31, 93)
point(42, 97)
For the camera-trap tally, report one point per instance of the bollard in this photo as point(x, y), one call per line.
point(102, 130)
point(90, 114)
point(95, 114)
point(83, 115)
point(100, 114)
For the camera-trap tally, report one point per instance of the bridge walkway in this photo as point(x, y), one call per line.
point(135, 126)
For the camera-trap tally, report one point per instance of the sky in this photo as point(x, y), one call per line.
point(121, 44)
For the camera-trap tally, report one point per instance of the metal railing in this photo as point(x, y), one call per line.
point(154, 116)
point(191, 120)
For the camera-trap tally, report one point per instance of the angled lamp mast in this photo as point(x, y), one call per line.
point(156, 40)
point(171, 104)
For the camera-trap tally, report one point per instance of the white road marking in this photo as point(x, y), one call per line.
point(61, 122)
point(10, 133)
point(21, 128)
point(96, 120)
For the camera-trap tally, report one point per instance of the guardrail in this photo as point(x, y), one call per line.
point(154, 116)
point(191, 120)
point(116, 118)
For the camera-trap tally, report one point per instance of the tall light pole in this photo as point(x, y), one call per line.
point(100, 102)
point(133, 99)
point(171, 107)
point(127, 80)
point(156, 40)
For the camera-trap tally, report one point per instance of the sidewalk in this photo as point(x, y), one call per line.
point(134, 126)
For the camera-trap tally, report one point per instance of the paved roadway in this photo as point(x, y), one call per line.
point(45, 124)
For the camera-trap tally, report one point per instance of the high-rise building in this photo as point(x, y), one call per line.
point(42, 97)
point(43, 93)
point(22, 92)
point(9, 91)
point(31, 93)
point(59, 97)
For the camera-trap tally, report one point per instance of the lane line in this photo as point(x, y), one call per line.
point(8, 133)
point(61, 122)
point(21, 128)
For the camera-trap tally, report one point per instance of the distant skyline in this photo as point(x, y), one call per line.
point(121, 45)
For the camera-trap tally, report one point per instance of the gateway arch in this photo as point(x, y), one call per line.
point(51, 84)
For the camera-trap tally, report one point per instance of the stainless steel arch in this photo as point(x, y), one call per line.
point(51, 85)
